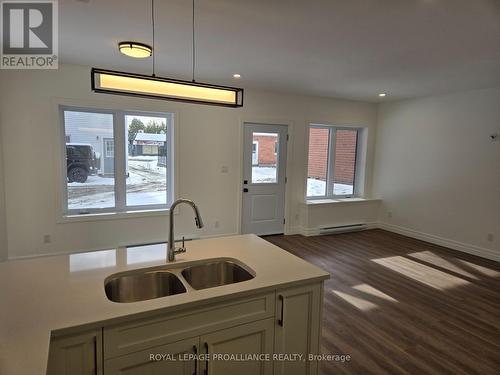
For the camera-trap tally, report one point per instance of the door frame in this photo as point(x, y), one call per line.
point(289, 162)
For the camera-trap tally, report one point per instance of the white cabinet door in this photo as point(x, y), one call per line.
point(251, 338)
point(79, 354)
point(298, 317)
point(167, 359)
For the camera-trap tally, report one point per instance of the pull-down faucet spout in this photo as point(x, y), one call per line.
point(171, 250)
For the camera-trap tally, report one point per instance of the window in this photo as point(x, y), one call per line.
point(264, 158)
point(332, 165)
point(255, 153)
point(148, 160)
point(116, 161)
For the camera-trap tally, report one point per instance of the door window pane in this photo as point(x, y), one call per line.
point(146, 160)
point(318, 162)
point(345, 162)
point(265, 158)
point(89, 168)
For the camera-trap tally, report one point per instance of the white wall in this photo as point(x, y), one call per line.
point(209, 137)
point(438, 172)
point(3, 232)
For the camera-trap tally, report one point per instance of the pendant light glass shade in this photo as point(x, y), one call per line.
point(121, 83)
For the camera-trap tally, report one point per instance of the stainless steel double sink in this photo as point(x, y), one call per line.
point(150, 283)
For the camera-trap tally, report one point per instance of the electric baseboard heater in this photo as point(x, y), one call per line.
point(343, 228)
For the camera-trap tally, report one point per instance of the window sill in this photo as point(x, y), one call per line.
point(113, 215)
point(314, 202)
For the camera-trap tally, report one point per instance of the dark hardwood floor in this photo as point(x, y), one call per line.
point(398, 305)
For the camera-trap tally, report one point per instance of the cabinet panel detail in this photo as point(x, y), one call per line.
point(151, 332)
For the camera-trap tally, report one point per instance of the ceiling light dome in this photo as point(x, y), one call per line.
point(134, 49)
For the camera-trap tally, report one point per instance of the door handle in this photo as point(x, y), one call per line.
point(206, 359)
point(195, 351)
point(280, 320)
point(96, 370)
point(245, 190)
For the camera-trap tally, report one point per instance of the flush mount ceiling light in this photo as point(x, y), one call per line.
point(382, 94)
point(237, 76)
point(123, 83)
point(134, 49)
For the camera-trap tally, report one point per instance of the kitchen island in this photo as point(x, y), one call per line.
point(59, 303)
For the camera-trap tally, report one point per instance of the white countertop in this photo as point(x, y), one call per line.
point(45, 294)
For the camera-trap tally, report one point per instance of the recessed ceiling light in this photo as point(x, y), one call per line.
point(237, 76)
point(382, 94)
point(134, 49)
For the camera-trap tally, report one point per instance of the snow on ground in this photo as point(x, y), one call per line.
point(316, 188)
point(146, 185)
point(263, 174)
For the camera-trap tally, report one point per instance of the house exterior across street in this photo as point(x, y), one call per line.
point(149, 144)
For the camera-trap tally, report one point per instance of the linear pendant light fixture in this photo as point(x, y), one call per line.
point(139, 85)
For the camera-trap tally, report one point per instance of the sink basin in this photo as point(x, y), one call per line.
point(209, 275)
point(141, 286)
point(146, 284)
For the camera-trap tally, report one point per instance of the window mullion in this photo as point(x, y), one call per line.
point(355, 188)
point(170, 121)
point(120, 161)
point(331, 162)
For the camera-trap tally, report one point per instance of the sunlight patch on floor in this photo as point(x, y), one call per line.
point(424, 274)
point(368, 289)
point(430, 257)
point(357, 302)
point(484, 270)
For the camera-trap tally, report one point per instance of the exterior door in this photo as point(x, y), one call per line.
point(264, 172)
point(108, 156)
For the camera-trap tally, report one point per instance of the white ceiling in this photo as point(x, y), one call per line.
point(336, 48)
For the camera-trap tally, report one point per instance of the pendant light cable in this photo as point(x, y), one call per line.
point(194, 51)
point(153, 27)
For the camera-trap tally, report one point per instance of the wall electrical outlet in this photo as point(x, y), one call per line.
point(216, 224)
point(389, 214)
point(47, 238)
point(490, 237)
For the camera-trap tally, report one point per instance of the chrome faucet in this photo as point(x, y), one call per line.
point(171, 250)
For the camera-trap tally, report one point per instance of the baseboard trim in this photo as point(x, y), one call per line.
point(293, 230)
point(441, 241)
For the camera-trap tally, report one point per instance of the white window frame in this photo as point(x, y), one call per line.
point(120, 143)
point(256, 143)
point(329, 193)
